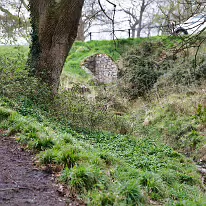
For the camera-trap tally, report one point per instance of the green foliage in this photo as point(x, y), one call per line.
point(41, 143)
point(154, 185)
point(132, 193)
point(121, 168)
point(199, 202)
point(183, 73)
point(99, 198)
point(201, 113)
point(15, 79)
point(140, 71)
point(48, 157)
point(4, 113)
point(74, 110)
point(84, 177)
point(68, 156)
point(153, 66)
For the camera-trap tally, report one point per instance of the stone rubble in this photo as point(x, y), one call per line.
point(102, 67)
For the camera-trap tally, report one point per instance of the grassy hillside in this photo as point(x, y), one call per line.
point(141, 151)
point(81, 50)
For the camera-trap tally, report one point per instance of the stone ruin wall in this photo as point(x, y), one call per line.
point(102, 67)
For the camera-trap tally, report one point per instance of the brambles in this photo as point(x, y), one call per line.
point(153, 66)
point(140, 70)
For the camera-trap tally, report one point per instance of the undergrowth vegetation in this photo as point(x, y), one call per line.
point(108, 169)
point(133, 143)
point(151, 65)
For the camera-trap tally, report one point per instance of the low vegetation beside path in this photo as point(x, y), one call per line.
point(108, 169)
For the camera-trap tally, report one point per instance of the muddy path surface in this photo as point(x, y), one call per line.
point(21, 184)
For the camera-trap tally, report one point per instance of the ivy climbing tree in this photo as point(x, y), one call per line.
point(54, 29)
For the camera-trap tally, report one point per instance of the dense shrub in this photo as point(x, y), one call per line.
point(13, 76)
point(180, 77)
point(74, 110)
point(152, 65)
point(16, 82)
point(184, 73)
point(140, 71)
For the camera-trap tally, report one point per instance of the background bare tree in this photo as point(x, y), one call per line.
point(90, 13)
point(92, 17)
point(14, 21)
point(136, 11)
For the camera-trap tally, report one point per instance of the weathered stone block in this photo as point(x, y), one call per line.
point(102, 67)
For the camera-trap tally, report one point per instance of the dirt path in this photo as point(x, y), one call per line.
point(20, 183)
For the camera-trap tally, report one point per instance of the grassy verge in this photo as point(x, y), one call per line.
point(109, 169)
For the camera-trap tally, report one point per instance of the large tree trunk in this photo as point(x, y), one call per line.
point(54, 24)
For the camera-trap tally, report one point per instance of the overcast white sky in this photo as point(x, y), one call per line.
point(121, 22)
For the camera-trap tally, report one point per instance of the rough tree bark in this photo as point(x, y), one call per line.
point(54, 29)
